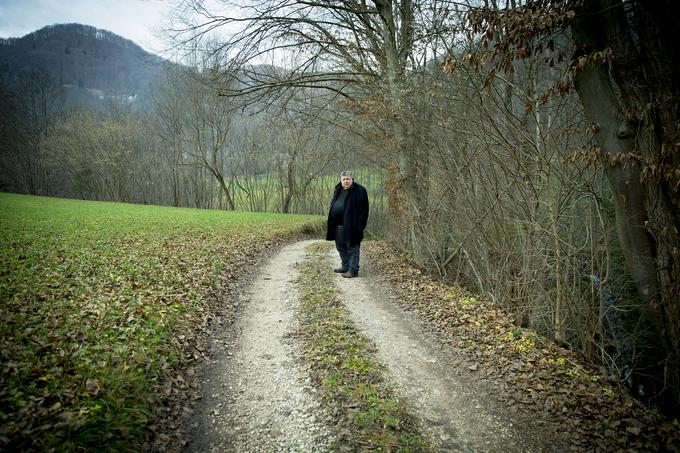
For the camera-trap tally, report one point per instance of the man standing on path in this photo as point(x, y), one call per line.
point(346, 222)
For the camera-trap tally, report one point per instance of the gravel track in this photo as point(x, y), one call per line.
point(255, 396)
point(457, 411)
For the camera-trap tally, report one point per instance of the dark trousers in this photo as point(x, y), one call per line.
point(349, 254)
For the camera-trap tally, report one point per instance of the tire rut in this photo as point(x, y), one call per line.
point(255, 397)
point(457, 412)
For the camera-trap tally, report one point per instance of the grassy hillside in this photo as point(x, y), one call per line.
point(95, 297)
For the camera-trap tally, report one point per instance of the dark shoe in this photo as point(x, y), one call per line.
point(349, 274)
point(340, 270)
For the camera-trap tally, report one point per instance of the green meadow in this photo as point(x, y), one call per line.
point(94, 296)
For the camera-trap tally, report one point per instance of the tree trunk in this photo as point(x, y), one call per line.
point(613, 137)
point(225, 189)
point(407, 176)
point(406, 179)
point(290, 179)
point(632, 99)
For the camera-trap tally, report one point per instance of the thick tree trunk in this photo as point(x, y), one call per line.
point(614, 138)
point(632, 98)
point(405, 182)
point(290, 182)
point(407, 176)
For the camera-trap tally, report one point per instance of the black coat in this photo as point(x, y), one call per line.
point(356, 214)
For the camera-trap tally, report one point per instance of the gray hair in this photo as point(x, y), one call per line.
point(346, 173)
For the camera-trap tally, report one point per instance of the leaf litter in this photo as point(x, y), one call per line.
point(105, 307)
point(544, 380)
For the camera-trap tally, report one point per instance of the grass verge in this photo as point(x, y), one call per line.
point(343, 365)
point(99, 303)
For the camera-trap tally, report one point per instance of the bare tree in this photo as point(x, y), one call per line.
point(208, 124)
point(352, 49)
point(12, 140)
point(625, 73)
point(195, 124)
point(101, 156)
point(632, 96)
point(167, 120)
point(37, 102)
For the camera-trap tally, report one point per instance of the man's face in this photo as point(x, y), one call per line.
point(346, 182)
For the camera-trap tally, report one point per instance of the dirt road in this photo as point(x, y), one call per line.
point(257, 396)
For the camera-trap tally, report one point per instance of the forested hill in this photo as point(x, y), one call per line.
point(81, 58)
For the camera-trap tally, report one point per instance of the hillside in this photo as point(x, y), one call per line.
point(85, 60)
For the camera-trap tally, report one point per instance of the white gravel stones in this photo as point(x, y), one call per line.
point(259, 399)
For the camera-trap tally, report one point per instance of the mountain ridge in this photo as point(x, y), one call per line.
point(82, 56)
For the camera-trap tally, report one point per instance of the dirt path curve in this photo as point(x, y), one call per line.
point(458, 412)
point(255, 397)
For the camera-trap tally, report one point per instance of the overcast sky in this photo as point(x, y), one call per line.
point(137, 20)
